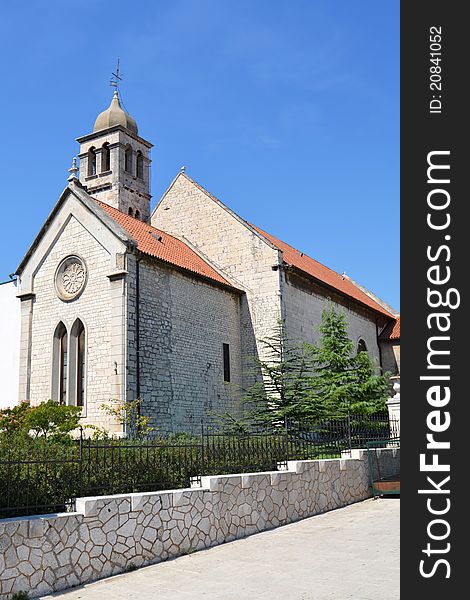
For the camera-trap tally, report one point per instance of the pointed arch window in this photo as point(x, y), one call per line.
point(77, 368)
point(91, 161)
point(60, 364)
point(105, 158)
point(140, 165)
point(361, 346)
point(128, 159)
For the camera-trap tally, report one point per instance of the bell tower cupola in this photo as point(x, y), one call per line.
point(115, 162)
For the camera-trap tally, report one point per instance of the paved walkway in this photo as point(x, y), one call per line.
point(350, 553)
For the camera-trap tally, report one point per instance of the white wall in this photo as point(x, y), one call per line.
point(9, 344)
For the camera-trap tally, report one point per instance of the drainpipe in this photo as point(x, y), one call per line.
point(378, 344)
point(137, 334)
point(137, 326)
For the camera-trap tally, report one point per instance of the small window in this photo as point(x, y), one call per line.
point(91, 161)
point(105, 158)
point(361, 346)
point(140, 165)
point(137, 214)
point(226, 350)
point(128, 160)
point(130, 212)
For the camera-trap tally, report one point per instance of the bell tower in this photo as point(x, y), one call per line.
point(115, 162)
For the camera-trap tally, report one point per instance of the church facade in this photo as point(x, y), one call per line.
point(170, 306)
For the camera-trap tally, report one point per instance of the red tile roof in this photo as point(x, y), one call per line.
point(392, 331)
point(164, 246)
point(324, 274)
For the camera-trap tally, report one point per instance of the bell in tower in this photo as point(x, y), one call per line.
point(115, 162)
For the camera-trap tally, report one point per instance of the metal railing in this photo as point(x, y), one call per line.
point(41, 476)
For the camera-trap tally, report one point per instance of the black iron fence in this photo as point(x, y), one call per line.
point(41, 476)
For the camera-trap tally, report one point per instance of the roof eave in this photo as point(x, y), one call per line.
point(189, 272)
point(297, 270)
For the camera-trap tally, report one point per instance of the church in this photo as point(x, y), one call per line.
point(170, 305)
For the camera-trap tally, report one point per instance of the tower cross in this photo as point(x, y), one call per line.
point(116, 77)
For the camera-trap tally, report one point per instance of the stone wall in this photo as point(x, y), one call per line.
point(245, 257)
point(110, 534)
point(184, 323)
point(95, 309)
point(303, 307)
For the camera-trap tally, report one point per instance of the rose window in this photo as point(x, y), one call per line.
point(70, 278)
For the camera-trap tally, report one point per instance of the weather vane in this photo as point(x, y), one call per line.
point(116, 77)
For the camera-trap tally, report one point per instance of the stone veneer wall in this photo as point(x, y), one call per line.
point(110, 534)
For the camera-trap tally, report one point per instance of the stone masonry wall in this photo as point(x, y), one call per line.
point(303, 310)
point(241, 254)
point(110, 534)
point(93, 307)
point(184, 323)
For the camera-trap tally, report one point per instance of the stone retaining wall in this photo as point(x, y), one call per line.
point(111, 534)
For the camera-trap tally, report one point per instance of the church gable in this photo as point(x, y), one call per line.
point(187, 210)
point(73, 203)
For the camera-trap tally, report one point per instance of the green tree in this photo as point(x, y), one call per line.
point(129, 414)
point(13, 420)
point(52, 419)
point(343, 381)
point(283, 388)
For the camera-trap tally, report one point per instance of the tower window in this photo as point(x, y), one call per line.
point(105, 158)
point(226, 353)
point(140, 165)
point(91, 161)
point(137, 214)
point(130, 211)
point(128, 160)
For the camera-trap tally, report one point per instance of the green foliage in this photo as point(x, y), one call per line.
point(129, 414)
point(20, 596)
point(304, 381)
point(46, 419)
point(13, 420)
point(344, 381)
point(52, 419)
point(284, 385)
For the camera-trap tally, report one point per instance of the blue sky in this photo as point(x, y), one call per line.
point(286, 111)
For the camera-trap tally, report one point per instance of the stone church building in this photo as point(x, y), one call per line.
point(118, 302)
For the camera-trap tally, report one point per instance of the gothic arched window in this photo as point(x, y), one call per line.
point(105, 158)
point(77, 368)
point(140, 165)
point(91, 161)
point(128, 159)
point(60, 364)
point(361, 346)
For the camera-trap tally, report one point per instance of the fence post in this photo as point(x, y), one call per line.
point(286, 435)
point(80, 463)
point(202, 449)
point(349, 431)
